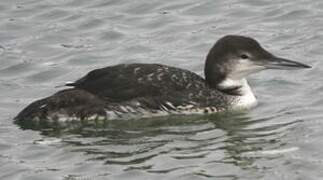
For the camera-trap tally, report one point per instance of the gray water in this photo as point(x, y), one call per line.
point(46, 43)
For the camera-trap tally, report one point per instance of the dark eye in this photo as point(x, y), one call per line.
point(244, 56)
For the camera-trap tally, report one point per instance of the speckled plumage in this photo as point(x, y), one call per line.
point(152, 82)
point(130, 88)
point(144, 90)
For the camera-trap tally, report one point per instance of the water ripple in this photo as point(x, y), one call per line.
point(46, 43)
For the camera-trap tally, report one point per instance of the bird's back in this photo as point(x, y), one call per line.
point(127, 81)
point(129, 89)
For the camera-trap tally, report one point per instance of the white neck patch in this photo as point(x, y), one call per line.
point(246, 100)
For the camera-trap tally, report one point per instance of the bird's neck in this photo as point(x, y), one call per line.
point(240, 90)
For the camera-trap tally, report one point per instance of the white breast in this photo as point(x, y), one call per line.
point(247, 99)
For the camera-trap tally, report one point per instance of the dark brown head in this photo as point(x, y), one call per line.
point(234, 57)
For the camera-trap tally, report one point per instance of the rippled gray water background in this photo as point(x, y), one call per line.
point(45, 43)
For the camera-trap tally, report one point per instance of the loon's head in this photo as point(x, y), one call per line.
point(233, 57)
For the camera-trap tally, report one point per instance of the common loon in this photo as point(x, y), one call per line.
point(146, 90)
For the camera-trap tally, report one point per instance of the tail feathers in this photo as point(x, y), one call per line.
point(69, 103)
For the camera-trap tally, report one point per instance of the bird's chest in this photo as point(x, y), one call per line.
point(245, 101)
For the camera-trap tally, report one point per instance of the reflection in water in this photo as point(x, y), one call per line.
point(231, 139)
point(46, 43)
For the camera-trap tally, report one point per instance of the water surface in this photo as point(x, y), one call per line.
point(45, 43)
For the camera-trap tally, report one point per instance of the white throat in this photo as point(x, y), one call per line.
point(246, 99)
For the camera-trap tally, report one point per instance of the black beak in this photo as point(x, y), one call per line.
point(285, 64)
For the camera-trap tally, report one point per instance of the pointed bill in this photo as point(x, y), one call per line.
point(285, 64)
